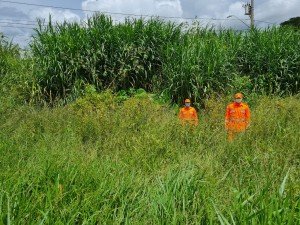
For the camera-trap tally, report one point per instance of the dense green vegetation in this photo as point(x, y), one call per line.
point(9, 53)
point(174, 60)
point(102, 150)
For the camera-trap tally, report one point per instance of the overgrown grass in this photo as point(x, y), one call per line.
point(97, 161)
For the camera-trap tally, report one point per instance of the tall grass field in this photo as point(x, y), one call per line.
point(90, 132)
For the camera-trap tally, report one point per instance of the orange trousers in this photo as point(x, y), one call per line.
point(232, 133)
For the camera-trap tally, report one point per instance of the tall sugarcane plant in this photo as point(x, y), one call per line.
point(107, 55)
point(179, 60)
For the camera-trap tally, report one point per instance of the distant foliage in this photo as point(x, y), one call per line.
point(16, 80)
point(294, 22)
point(175, 60)
point(9, 53)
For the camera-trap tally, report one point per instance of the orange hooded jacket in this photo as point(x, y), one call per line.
point(188, 114)
point(237, 117)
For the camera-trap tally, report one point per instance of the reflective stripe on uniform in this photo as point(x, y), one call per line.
point(237, 120)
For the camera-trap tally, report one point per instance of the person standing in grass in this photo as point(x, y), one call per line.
point(237, 117)
point(188, 114)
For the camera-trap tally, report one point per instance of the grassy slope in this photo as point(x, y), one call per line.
point(97, 162)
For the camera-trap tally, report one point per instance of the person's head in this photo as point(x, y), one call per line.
point(238, 97)
point(187, 102)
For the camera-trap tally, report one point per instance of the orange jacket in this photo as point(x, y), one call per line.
point(188, 114)
point(237, 117)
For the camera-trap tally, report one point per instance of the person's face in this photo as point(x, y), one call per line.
point(238, 100)
point(187, 104)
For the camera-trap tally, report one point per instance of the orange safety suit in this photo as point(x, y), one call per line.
point(237, 118)
point(188, 115)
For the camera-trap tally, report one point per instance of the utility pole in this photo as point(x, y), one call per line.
point(249, 10)
point(252, 13)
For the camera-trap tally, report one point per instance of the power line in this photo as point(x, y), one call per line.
point(17, 23)
point(31, 28)
point(115, 13)
point(107, 12)
point(26, 22)
point(264, 22)
point(40, 5)
point(35, 22)
point(10, 20)
point(85, 10)
point(254, 20)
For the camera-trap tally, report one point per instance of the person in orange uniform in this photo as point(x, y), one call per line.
point(237, 117)
point(188, 114)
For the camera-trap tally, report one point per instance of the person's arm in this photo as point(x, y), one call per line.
point(195, 117)
point(227, 117)
point(181, 117)
point(247, 115)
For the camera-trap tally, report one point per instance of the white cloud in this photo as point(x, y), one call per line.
point(20, 32)
point(277, 11)
point(167, 8)
point(57, 15)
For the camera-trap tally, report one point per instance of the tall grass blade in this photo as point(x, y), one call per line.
point(283, 184)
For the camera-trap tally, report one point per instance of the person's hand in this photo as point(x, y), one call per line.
point(226, 127)
point(248, 125)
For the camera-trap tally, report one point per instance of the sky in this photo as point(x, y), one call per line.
point(18, 18)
